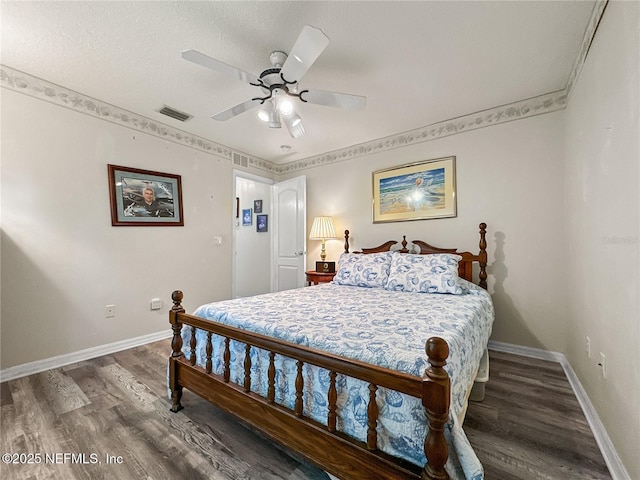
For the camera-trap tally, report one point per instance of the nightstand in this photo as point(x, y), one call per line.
point(314, 278)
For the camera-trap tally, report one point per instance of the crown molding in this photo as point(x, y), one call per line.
point(42, 89)
point(494, 116)
point(587, 39)
point(547, 103)
point(550, 102)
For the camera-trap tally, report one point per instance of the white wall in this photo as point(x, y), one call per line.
point(602, 212)
point(253, 248)
point(559, 193)
point(509, 176)
point(62, 261)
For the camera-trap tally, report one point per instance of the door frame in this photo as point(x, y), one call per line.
point(235, 221)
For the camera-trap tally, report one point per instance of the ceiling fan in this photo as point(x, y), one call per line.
point(279, 85)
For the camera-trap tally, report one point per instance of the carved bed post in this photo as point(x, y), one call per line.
point(404, 245)
point(436, 387)
point(483, 256)
point(346, 241)
point(176, 350)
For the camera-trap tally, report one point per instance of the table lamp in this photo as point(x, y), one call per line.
point(322, 229)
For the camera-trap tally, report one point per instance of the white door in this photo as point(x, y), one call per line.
point(289, 237)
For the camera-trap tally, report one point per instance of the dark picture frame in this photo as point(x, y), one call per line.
point(262, 223)
point(415, 191)
point(257, 206)
point(247, 217)
point(144, 198)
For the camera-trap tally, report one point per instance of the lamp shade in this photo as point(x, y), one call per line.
point(322, 228)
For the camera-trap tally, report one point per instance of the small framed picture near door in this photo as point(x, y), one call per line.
point(257, 206)
point(262, 223)
point(246, 216)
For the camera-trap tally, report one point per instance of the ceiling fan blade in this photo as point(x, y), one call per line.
point(236, 110)
point(334, 99)
point(209, 62)
point(308, 47)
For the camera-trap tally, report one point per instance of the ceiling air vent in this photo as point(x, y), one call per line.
point(240, 160)
point(173, 113)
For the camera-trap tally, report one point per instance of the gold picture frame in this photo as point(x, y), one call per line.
point(415, 191)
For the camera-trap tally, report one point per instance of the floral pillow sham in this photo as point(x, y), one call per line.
point(434, 273)
point(363, 270)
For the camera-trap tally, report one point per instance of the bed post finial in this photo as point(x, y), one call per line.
point(483, 255)
point(346, 241)
point(177, 297)
point(176, 350)
point(436, 392)
point(176, 326)
point(404, 245)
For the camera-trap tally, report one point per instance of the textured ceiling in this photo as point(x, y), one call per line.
point(417, 62)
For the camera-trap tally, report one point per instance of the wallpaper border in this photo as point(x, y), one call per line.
point(547, 103)
point(44, 90)
point(36, 87)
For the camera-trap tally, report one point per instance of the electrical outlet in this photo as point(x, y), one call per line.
point(156, 304)
point(588, 346)
point(109, 311)
point(603, 364)
point(217, 241)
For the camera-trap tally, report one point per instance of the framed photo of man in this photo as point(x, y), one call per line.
point(144, 198)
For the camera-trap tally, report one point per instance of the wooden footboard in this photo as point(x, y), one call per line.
point(323, 444)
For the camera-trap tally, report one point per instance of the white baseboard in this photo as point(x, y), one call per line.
point(611, 458)
point(615, 465)
point(38, 366)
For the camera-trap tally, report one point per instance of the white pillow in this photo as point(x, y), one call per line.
point(435, 273)
point(363, 269)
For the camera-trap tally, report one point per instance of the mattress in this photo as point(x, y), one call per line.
point(373, 325)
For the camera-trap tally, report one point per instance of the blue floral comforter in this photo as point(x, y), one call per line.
point(374, 325)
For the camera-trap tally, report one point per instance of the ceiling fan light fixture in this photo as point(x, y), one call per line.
point(295, 120)
point(285, 106)
point(274, 121)
point(298, 130)
point(268, 113)
point(279, 84)
point(294, 125)
point(264, 115)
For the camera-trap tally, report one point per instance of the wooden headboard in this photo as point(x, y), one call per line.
point(465, 266)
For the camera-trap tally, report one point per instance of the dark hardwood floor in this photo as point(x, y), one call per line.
point(108, 418)
point(530, 424)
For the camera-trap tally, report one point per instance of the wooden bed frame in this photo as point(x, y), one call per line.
point(324, 445)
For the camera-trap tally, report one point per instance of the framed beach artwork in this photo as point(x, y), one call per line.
point(415, 191)
point(143, 198)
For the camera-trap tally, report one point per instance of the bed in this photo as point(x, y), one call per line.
point(367, 376)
